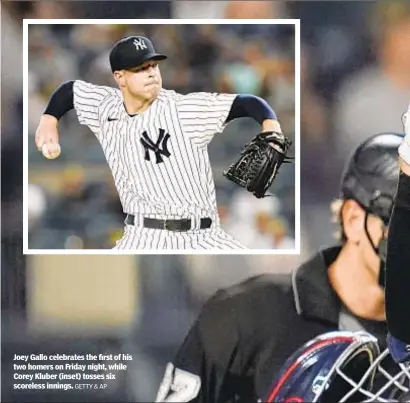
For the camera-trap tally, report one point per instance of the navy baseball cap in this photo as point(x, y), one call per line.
point(132, 51)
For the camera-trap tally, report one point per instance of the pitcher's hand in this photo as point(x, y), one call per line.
point(47, 138)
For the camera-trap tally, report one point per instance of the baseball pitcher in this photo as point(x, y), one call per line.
point(155, 142)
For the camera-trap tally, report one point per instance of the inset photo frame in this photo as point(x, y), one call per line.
point(161, 136)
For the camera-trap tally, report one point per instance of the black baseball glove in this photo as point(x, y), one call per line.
point(259, 162)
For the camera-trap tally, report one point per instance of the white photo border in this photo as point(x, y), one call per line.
point(295, 22)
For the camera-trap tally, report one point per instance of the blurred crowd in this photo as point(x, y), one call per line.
point(76, 207)
point(355, 82)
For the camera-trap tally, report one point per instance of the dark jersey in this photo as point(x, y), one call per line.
point(245, 333)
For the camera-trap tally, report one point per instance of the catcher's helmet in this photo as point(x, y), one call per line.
point(340, 367)
point(371, 174)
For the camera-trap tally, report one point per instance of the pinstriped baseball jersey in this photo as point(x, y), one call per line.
point(159, 158)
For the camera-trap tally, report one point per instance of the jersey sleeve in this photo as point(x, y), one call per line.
point(87, 101)
point(404, 149)
point(203, 114)
point(204, 366)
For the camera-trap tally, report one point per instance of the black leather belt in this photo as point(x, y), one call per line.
point(184, 224)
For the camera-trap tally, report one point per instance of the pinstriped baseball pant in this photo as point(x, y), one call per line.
point(158, 239)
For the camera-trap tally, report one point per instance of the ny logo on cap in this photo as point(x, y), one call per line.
point(139, 44)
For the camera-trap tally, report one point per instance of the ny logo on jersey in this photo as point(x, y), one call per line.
point(139, 44)
point(160, 148)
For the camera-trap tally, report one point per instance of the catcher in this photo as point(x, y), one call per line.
point(245, 333)
point(155, 142)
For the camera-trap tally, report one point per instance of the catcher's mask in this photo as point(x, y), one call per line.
point(340, 367)
point(370, 178)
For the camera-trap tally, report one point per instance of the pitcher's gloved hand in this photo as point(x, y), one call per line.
point(259, 162)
